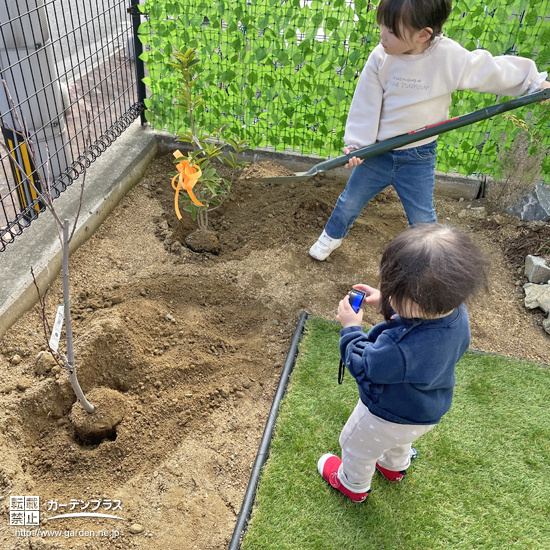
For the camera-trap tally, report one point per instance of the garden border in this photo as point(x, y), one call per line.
point(265, 443)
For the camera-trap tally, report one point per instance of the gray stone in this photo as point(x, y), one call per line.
point(544, 301)
point(534, 206)
point(536, 269)
point(537, 296)
point(546, 324)
point(478, 211)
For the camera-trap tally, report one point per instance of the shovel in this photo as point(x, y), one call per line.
point(411, 137)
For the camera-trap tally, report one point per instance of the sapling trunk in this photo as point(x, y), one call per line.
point(71, 369)
point(202, 221)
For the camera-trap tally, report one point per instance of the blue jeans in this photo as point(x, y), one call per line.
point(410, 171)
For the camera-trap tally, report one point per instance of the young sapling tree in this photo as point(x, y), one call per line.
point(67, 362)
point(196, 173)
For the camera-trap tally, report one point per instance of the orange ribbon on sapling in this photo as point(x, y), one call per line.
point(188, 176)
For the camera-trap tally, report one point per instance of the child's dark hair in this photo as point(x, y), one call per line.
point(432, 265)
point(413, 15)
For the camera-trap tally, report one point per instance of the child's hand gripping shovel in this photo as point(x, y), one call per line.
point(416, 135)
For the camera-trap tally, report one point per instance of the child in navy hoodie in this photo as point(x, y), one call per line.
point(404, 366)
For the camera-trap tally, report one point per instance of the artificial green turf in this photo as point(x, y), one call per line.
point(482, 479)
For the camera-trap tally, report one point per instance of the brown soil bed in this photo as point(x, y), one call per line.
point(195, 343)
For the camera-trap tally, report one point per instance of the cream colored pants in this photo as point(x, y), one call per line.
point(367, 439)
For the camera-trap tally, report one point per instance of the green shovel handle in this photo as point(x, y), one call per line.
point(433, 130)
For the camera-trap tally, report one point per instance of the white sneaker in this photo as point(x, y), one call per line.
point(324, 246)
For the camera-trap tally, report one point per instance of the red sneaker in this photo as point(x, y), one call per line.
point(328, 468)
point(390, 475)
point(396, 477)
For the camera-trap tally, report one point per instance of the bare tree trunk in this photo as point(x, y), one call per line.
point(71, 369)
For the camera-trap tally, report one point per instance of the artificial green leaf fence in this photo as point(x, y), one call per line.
point(282, 73)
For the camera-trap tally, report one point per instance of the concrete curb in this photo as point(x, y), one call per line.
point(116, 171)
point(108, 179)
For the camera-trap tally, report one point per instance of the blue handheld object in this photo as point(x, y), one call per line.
point(356, 298)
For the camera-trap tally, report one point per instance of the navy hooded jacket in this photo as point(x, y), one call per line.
point(405, 368)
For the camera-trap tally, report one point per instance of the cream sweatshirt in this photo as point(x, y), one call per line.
point(397, 94)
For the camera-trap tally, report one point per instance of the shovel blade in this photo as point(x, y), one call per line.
point(298, 176)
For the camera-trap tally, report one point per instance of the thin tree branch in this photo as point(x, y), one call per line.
point(68, 362)
point(42, 311)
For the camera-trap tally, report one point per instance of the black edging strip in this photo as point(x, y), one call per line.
point(263, 450)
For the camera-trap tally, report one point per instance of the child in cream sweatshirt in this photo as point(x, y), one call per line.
point(406, 84)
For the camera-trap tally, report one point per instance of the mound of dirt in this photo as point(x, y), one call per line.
point(264, 169)
point(194, 344)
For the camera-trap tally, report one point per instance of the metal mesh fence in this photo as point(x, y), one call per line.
point(69, 90)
